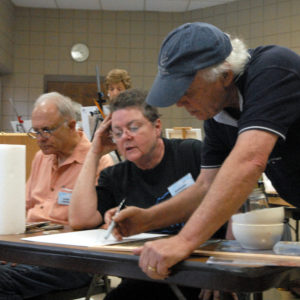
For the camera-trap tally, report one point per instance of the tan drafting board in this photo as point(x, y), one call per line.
point(183, 133)
point(229, 250)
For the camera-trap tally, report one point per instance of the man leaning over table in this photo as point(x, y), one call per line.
point(48, 191)
point(152, 165)
point(250, 101)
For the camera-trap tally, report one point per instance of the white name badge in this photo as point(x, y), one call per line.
point(64, 198)
point(181, 184)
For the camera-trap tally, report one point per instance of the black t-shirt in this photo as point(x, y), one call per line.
point(144, 188)
point(270, 101)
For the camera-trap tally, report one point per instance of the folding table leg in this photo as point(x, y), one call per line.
point(258, 296)
point(228, 296)
point(177, 292)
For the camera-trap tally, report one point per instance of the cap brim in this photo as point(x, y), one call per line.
point(167, 89)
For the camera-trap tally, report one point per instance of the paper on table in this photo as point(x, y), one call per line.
point(87, 238)
point(269, 188)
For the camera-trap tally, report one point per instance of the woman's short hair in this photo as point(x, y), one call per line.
point(135, 98)
point(116, 76)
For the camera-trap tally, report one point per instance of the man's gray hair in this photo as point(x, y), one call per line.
point(235, 62)
point(63, 103)
point(77, 107)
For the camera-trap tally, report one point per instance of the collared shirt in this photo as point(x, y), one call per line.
point(270, 102)
point(48, 180)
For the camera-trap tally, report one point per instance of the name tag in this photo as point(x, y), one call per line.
point(64, 198)
point(181, 184)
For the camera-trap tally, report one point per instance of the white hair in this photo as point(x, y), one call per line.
point(64, 104)
point(77, 107)
point(235, 62)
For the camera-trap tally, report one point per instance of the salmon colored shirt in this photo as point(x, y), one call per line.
point(47, 180)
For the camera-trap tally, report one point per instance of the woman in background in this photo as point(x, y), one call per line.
point(116, 81)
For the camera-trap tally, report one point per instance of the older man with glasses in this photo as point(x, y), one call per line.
point(48, 191)
point(56, 166)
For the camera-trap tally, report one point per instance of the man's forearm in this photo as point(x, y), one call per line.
point(224, 198)
point(233, 183)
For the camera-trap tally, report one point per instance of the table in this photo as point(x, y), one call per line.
point(193, 272)
point(291, 212)
point(294, 213)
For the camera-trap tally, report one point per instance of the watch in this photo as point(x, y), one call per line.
point(80, 52)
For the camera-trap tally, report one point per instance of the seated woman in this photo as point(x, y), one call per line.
point(116, 81)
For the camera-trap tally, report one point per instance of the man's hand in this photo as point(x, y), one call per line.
point(157, 257)
point(131, 220)
point(102, 142)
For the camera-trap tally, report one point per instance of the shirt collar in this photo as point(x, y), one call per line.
point(79, 153)
point(225, 118)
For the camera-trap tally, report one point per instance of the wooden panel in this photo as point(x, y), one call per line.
point(231, 250)
point(273, 200)
point(81, 92)
point(183, 133)
point(192, 272)
point(22, 139)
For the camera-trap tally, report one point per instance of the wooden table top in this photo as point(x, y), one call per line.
point(194, 272)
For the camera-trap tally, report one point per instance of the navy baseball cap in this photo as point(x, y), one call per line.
point(185, 50)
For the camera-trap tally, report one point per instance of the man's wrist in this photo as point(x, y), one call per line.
point(191, 243)
point(151, 221)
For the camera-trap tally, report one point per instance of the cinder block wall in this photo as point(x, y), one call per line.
point(42, 40)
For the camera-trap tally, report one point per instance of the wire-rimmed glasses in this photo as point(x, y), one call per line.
point(44, 132)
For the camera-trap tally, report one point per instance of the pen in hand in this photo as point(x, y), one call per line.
point(113, 223)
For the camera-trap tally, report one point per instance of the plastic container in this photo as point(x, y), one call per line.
point(256, 200)
point(287, 248)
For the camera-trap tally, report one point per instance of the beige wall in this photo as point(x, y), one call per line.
point(129, 40)
point(6, 36)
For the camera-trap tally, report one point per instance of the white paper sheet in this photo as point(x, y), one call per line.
point(269, 188)
point(18, 128)
point(87, 238)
